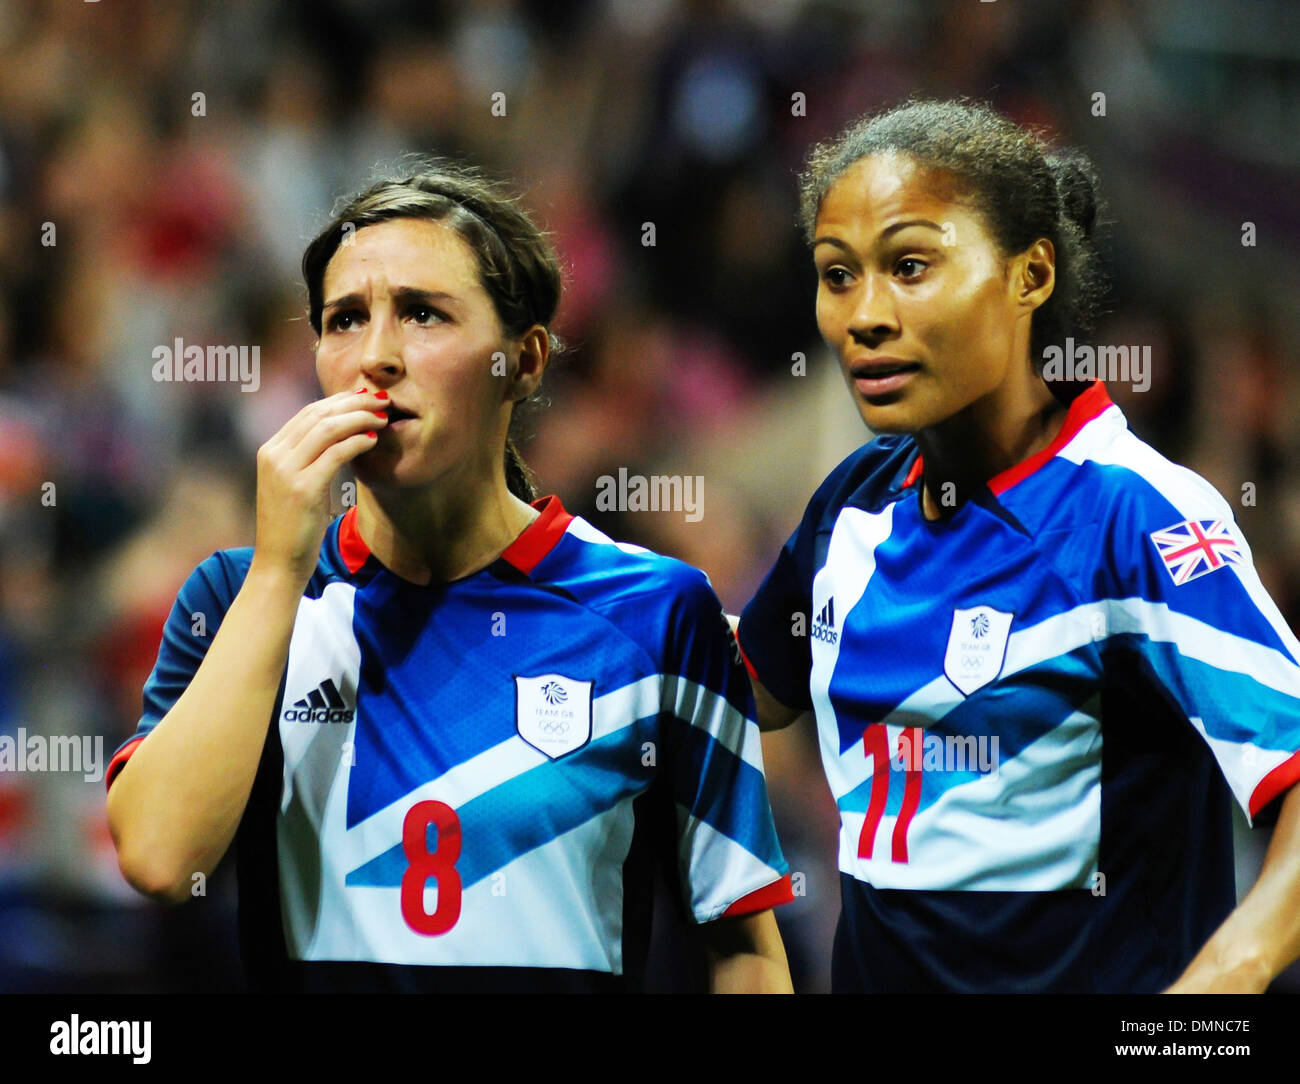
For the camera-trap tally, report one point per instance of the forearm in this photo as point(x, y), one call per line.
point(175, 806)
point(1261, 937)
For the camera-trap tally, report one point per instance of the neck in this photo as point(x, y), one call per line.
point(988, 437)
point(440, 534)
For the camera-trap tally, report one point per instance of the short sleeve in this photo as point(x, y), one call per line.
point(197, 613)
point(728, 857)
point(1191, 603)
point(773, 631)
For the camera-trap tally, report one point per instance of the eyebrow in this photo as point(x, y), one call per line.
point(403, 295)
point(887, 232)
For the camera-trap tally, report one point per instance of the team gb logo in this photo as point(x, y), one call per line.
point(553, 713)
point(977, 647)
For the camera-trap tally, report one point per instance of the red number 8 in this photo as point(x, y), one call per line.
point(440, 864)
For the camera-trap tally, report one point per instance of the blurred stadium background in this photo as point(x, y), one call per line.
point(178, 216)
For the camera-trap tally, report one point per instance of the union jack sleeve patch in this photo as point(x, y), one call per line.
point(1196, 547)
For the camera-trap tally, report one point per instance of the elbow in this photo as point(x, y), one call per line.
point(153, 879)
point(145, 868)
point(746, 955)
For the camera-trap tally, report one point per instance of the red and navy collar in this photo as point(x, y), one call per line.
point(539, 537)
point(525, 553)
point(1089, 404)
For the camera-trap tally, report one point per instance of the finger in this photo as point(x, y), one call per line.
point(330, 429)
point(300, 427)
point(303, 419)
point(301, 424)
point(327, 464)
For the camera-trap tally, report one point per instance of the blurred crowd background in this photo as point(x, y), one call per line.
point(162, 167)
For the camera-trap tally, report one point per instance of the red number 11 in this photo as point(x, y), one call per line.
point(875, 745)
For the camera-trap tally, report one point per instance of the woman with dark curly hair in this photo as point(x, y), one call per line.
point(1040, 659)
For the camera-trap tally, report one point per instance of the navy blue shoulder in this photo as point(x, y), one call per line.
point(218, 577)
point(222, 574)
point(870, 477)
point(643, 593)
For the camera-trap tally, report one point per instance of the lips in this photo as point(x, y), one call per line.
point(882, 376)
point(877, 368)
point(397, 414)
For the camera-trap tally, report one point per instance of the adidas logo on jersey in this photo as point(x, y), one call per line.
point(824, 624)
point(322, 705)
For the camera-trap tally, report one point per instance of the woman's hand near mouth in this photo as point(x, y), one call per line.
point(294, 471)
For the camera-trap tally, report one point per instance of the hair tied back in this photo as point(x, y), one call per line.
point(1076, 184)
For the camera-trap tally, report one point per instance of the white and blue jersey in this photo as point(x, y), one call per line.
point(1033, 714)
point(468, 785)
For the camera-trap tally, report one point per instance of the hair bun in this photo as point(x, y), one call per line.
point(1076, 185)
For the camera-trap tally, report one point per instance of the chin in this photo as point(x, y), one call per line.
point(893, 419)
point(376, 470)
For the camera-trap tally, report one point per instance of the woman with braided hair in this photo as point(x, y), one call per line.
point(488, 722)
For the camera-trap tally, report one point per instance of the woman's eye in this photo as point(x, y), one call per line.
point(910, 266)
point(341, 321)
point(835, 277)
point(422, 314)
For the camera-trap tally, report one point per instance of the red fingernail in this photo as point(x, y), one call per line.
point(371, 433)
point(359, 391)
point(379, 414)
point(381, 395)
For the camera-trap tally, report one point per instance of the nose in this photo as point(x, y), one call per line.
point(381, 349)
point(874, 317)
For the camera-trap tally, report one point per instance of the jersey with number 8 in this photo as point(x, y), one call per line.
point(467, 785)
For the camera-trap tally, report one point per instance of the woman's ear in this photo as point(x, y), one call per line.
point(531, 356)
point(1036, 278)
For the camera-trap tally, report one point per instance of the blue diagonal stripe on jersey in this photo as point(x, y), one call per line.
point(1026, 707)
point(1249, 710)
point(1019, 708)
point(530, 810)
point(729, 795)
point(542, 804)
